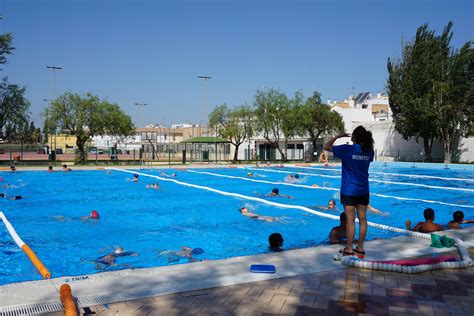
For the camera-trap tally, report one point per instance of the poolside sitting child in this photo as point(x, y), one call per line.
point(427, 226)
point(245, 212)
point(338, 233)
point(153, 186)
point(275, 241)
point(458, 219)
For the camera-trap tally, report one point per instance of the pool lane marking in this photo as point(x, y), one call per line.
point(331, 189)
point(371, 180)
point(288, 206)
point(388, 173)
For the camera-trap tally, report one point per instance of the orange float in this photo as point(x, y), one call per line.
point(70, 308)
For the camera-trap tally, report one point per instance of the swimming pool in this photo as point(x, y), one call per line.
point(151, 222)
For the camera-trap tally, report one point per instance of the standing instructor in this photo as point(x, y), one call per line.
point(356, 159)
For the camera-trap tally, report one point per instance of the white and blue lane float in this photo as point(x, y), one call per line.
point(329, 189)
point(465, 261)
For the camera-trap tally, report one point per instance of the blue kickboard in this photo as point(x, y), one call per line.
point(262, 268)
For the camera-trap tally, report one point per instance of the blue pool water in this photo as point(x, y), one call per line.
point(151, 222)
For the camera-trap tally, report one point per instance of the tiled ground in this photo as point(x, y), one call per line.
point(345, 291)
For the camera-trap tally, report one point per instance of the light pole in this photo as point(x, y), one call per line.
point(141, 105)
point(205, 78)
point(54, 68)
point(52, 142)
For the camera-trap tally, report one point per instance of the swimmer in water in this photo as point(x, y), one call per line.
point(185, 252)
point(276, 192)
point(153, 186)
point(93, 215)
point(109, 260)
point(292, 178)
point(15, 197)
point(458, 219)
point(65, 168)
point(50, 169)
point(245, 212)
point(135, 178)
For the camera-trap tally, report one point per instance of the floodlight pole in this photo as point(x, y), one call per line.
point(205, 78)
point(54, 68)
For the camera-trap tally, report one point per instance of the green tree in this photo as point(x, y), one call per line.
point(430, 90)
point(85, 117)
point(455, 101)
point(272, 112)
point(231, 124)
point(13, 105)
point(6, 47)
point(315, 119)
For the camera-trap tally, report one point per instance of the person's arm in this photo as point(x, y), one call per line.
point(328, 145)
point(333, 236)
point(467, 221)
point(414, 229)
point(376, 211)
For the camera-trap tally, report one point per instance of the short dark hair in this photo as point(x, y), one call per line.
point(428, 213)
point(343, 217)
point(458, 216)
point(276, 191)
point(275, 240)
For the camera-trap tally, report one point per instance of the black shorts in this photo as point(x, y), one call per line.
point(354, 200)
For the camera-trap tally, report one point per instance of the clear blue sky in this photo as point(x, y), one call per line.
point(151, 51)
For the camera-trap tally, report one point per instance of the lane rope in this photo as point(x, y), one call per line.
point(388, 173)
point(332, 189)
point(287, 206)
point(370, 180)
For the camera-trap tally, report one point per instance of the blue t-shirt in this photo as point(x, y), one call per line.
point(355, 168)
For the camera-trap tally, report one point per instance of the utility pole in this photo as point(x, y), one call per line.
point(205, 78)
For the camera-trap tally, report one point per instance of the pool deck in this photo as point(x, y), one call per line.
point(307, 281)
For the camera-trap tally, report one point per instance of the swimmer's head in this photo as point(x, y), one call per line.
point(249, 174)
point(342, 217)
point(243, 209)
point(173, 174)
point(50, 167)
point(429, 214)
point(297, 176)
point(276, 191)
point(332, 203)
point(275, 240)
point(135, 175)
point(118, 250)
point(458, 216)
point(94, 214)
point(17, 197)
point(197, 251)
point(2, 195)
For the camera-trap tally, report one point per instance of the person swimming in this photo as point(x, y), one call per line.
point(245, 212)
point(458, 219)
point(276, 192)
point(185, 252)
point(153, 186)
point(15, 197)
point(109, 259)
point(135, 178)
point(65, 168)
point(275, 242)
point(292, 178)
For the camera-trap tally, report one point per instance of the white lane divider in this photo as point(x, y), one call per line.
point(287, 206)
point(371, 180)
point(330, 189)
point(389, 174)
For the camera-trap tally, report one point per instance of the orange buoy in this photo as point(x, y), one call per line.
point(70, 308)
point(36, 262)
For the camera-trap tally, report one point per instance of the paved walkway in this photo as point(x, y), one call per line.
point(344, 291)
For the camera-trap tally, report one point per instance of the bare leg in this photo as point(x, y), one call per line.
point(362, 216)
point(350, 226)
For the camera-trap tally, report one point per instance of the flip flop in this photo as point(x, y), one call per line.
point(346, 253)
point(360, 254)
